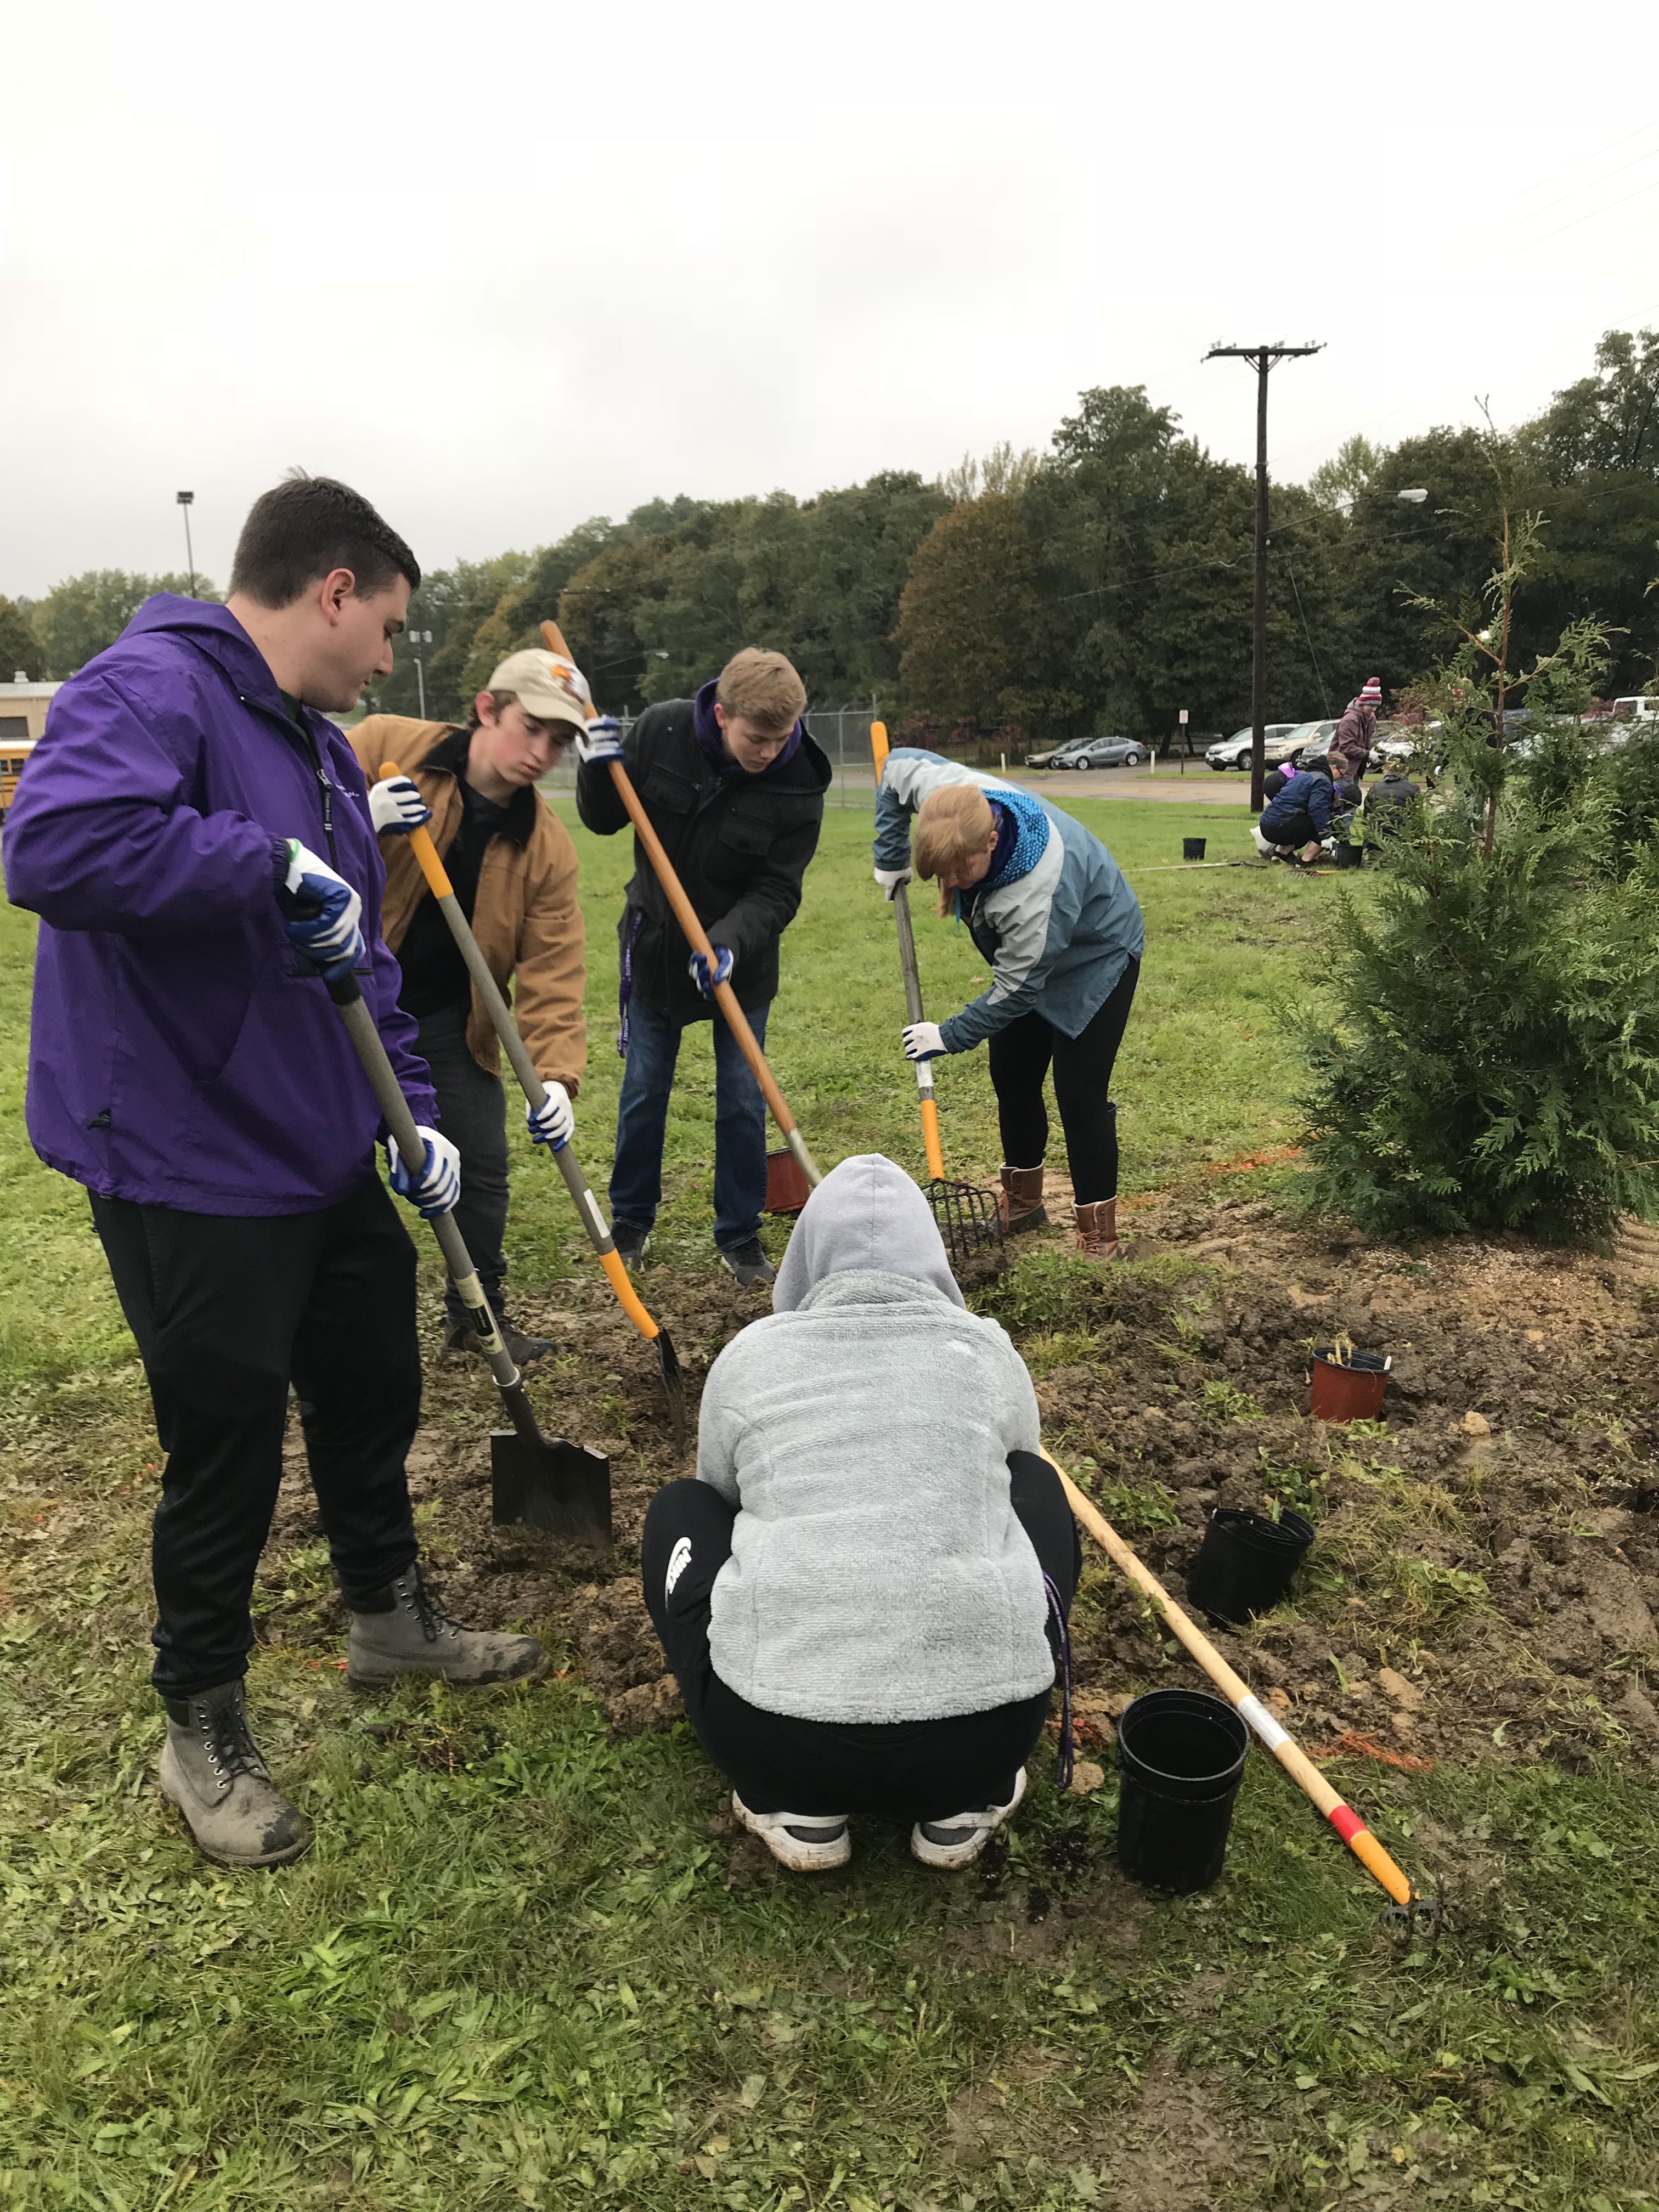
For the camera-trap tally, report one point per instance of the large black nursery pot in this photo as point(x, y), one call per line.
point(1246, 1562)
point(1181, 1758)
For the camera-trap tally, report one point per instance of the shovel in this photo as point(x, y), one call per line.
point(561, 1487)
point(530, 1083)
point(968, 1218)
point(697, 938)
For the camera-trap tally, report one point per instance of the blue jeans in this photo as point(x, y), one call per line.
point(654, 1047)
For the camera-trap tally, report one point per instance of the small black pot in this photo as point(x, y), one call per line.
point(1350, 856)
point(1181, 1759)
point(1192, 848)
point(1246, 1562)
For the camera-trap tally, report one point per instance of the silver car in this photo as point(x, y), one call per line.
point(1235, 751)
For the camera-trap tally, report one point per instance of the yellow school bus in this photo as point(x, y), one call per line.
point(13, 753)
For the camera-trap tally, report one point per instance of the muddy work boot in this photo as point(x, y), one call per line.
point(1020, 1201)
point(1096, 1229)
point(212, 1771)
point(521, 1349)
point(750, 1264)
point(408, 1635)
point(806, 1843)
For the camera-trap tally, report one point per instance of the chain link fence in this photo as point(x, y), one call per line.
point(843, 732)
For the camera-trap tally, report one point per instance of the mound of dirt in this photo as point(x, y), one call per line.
point(1485, 1575)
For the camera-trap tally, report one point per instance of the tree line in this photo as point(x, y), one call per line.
point(1101, 587)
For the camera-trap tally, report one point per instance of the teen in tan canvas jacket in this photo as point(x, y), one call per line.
point(514, 869)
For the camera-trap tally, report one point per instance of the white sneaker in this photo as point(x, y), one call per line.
point(958, 1841)
point(806, 1843)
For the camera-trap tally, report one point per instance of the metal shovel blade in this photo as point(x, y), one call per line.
point(668, 1367)
point(561, 1488)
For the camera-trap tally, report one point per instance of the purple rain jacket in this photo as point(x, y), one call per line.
point(177, 1057)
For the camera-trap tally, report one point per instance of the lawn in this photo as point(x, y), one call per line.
point(526, 1965)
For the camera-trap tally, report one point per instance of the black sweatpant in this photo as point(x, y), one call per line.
point(226, 1308)
point(897, 1771)
point(1020, 1055)
point(472, 1110)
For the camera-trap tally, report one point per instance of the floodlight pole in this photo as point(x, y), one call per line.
point(1262, 358)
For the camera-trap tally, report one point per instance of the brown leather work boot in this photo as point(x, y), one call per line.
point(1096, 1229)
point(1020, 1199)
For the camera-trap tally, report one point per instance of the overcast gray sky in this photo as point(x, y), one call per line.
point(507, 266)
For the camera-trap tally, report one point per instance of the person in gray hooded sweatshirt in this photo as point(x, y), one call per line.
point(864, 1592)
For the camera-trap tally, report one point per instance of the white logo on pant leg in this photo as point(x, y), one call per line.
point(679, 1560)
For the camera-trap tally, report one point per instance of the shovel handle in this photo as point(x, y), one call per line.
point(1295, 1761)
point(911, 974)
point(394, 1107)
point(697, 938)
point(512, 1044)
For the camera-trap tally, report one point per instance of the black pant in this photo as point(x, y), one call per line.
point(226, 1309)
point(899, 1771)
point(1083, 1065)
point(1297, 828)
point(472, 1108)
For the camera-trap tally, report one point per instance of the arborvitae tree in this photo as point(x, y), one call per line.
point(1493, 1059)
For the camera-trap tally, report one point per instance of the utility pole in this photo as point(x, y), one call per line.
point(186, 500)
point(1262, 358)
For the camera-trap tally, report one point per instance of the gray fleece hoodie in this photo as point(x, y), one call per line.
point(878, 1572)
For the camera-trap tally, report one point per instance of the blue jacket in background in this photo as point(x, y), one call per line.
point(177, 1056)
point(1309, 792)
point(1058, 937)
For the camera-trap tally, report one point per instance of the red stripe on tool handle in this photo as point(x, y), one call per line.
point(1347, 1822)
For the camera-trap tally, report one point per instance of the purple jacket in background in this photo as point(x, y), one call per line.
point(176, 1055)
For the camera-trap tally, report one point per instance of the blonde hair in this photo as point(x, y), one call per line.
point(762, 688)
point(954, 825)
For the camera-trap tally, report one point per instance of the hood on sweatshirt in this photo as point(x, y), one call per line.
point(214, 630)
point(867, 1215)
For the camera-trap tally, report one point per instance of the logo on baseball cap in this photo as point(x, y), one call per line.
point(552, 689)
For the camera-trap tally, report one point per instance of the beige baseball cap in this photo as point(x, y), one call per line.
point(552, 689)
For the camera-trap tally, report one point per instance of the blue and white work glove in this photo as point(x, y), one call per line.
point(397, 804)
point(697, 968)
point(922, 1041)
point(890, 878)
point(552, 1122)
point(600, 741)
point(327, 936)
point(435, 1187)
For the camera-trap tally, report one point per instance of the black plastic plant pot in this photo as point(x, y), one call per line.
point(1181, 1758)
point(1246, 1562)
point(1192, 848)
point(1349, 855)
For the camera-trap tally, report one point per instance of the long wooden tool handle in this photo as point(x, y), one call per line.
point(697, 938)
point(1296, 1763)
point(911, 974)
point(347, 995)
point(517, 1053)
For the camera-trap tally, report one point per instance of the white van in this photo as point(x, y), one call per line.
point(1640, 709)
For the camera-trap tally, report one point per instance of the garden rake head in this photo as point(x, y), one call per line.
point(968, 1218)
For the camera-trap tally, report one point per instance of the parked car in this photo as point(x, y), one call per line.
point(1235, 751)
point(1057, 755)
point(1311, 739)
point(1637, 709)
point(1107, 752)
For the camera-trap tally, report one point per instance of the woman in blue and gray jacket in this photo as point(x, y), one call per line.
point(1048, 906)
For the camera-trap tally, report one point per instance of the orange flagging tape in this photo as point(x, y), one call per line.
point(1240, 1165)
point(1351, 1744)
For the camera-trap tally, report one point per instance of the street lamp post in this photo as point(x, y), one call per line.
point(187, 500)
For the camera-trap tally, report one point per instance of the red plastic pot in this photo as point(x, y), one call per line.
point(787, 1190)
point(1349, 1392)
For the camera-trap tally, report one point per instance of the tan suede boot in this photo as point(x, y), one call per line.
point(1020, 1199)
point(1096, 1229)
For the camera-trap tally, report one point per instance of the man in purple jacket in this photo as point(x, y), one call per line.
point(197, 840)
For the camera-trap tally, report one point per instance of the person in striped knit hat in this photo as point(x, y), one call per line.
point(1356, 731)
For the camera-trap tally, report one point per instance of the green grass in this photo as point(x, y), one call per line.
point(520, 1967)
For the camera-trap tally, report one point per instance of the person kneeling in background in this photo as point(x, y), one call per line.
point(864, 1592)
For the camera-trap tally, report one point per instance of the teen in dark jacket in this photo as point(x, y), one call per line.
point(1301, 815)
point(734, 787)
